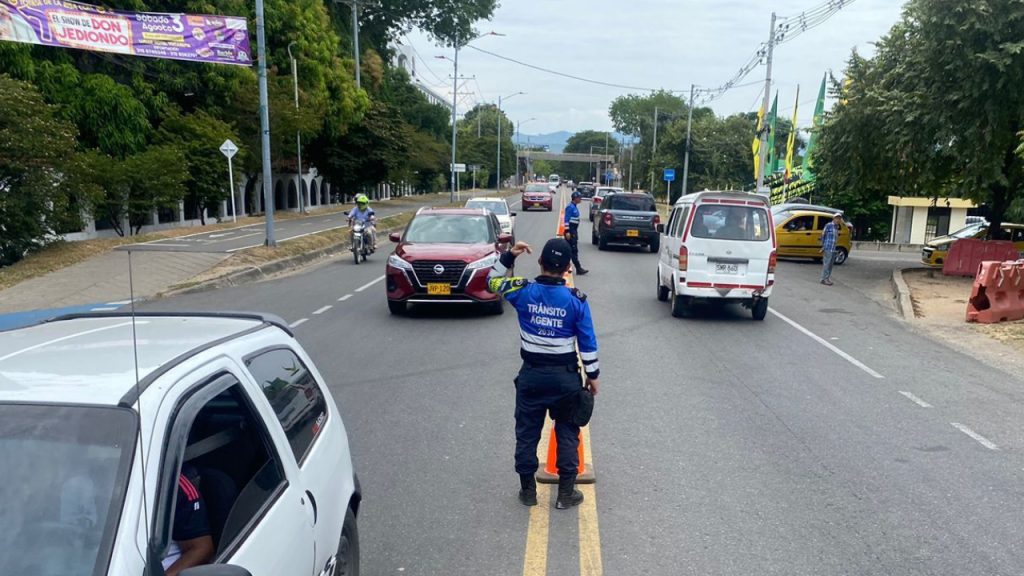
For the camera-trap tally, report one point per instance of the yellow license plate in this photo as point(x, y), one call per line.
point(633, 233)
point(437, 289)
point(536, 204)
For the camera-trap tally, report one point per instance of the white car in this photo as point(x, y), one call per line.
point(718, 245)
point(499, 207)
point(112, 426)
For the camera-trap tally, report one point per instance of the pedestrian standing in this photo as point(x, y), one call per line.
point(572, 226)
point(554, 320)
point(828, 247)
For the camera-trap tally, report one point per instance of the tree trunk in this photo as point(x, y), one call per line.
point(1003, 195)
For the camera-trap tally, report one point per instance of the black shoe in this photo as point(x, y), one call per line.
point(568, 495)
point(582, 272)
point(528, 490)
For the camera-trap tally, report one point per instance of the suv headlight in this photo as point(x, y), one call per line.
point(485, 262)
point(397, 262)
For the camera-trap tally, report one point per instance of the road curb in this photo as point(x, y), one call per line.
point(257, 273)
point(904, 303)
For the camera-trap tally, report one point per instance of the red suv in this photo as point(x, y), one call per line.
point(537, 195)
point(444, 256)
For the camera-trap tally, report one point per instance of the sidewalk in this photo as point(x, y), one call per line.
point(105, 278)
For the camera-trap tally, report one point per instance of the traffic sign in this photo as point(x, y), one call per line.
point(670, 174)
point(458, 167)
point(229, 149)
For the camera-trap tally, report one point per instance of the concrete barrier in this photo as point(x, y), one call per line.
point(887, 247)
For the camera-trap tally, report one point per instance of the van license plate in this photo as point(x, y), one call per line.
point(729, 269)
point(438, 289)
point(632, 233)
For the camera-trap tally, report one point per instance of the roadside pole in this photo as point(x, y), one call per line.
point(268, 195)
point(763, 157)
point(229, 149)
point(689, 130)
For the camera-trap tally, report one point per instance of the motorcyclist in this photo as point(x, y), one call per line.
point(366, 216)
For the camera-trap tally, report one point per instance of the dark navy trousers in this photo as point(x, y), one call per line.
point(542, 389)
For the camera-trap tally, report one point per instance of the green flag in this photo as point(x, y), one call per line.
point(773, 157)
point(819, 112)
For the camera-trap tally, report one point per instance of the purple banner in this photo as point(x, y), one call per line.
point(66, 24)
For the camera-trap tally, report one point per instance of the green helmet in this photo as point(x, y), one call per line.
point(362, 199)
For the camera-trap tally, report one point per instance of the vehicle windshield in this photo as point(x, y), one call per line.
point(65, 474)
point(537, 188)
point(731, 223)
point(499, 208)
point(968, 231)
point(631, 203)
point(449, 229)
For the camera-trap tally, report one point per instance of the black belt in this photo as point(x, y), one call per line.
point(557, 368)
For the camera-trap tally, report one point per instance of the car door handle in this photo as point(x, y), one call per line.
point(312, 502)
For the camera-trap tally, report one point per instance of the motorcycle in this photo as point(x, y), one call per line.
point(361, 241)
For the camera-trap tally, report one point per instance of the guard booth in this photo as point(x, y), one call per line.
point(919, 220)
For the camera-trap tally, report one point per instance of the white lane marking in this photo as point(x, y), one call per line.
point(119, 303)
point(827, 344)
point(104, 309)
point(129, 246)
point(244, 247)
point(368, 284)
point(915, 399)
point(236, 238)
point(298, 322)
point(221, 235)
point(977, 437)
point(320, 311)
point(345, 297)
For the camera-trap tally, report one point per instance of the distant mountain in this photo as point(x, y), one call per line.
point(556, 141)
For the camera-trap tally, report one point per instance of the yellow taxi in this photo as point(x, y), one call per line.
point(934, 252)
point(799, 227)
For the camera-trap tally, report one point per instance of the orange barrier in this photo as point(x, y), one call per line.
point(561, 223)
point(966, 255)
point(548, 473)
point(998, 293)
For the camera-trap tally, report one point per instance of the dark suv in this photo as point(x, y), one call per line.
point(586, 189)
point(444, 256)
point(627, 218)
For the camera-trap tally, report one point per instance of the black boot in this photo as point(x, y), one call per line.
point(527, 489)
point(568, 495)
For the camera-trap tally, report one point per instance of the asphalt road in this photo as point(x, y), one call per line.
point(828, 440)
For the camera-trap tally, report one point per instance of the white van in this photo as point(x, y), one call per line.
point(718, 245)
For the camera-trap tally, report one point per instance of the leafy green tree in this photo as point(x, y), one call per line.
point(134, 187)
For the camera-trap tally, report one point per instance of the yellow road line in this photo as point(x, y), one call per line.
point(590, 535)
point(536, 561)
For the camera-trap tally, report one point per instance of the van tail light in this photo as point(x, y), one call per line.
point(684, 258)
point(609, 219)
point(657, 220)
point(772, 261)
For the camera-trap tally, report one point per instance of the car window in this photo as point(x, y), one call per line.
point(671, 221)
point(800, 224)
point(968, 231)
point(499, 208)
point(731, 223)
point(632, 203)
point(1018, 234)
point(65, 475)
point(537, 188)
point(294, 395)
point(449, 229)
point(680, 225)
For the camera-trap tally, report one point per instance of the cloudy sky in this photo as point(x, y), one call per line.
point(650, 44)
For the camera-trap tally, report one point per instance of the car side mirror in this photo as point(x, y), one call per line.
point(504, 239)
point(512, 214)
point(395, 237)
point(215, 570)
point(661, 228)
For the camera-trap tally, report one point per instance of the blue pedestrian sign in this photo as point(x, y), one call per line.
point(670, 174)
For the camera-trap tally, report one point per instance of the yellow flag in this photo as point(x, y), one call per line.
point(791, 143)
point(755, 147)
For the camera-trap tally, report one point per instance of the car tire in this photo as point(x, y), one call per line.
point(841, 256)
point(655, 246)
point(662, 290)
point(397, 307)
point(681, 306)
point(590, 216)
point(602, 243)
point(593, 237)
point(347, 559)
point(496, 308)
point(760, 309)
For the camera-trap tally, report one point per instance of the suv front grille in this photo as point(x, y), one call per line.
point(451, 274)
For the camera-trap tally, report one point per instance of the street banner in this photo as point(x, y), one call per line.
point(755, 146)
point(67, 24)
point(819, 116)
point(791, 142)
point(773, 156)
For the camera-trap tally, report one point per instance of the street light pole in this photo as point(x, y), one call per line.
point(519, 124)
point(298, 133)
point(497, 183)
point(261, 71)
point(763, 156)
point(455, 103)
point(689, 128)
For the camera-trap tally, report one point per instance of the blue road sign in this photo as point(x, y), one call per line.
point(670, 174)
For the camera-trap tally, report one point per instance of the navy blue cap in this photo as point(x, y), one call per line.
point(576, 195)
point(556, 254)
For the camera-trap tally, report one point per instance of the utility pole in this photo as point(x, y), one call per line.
point(689, 130)
point(355, 36)
point(261, 52)
point(606, 151)
point(497, 183)
point(631, 166)
point(298, 133)
point(455, 103)
point(763, 156)
point(654, 150)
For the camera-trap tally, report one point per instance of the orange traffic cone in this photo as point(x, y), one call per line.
point(548, 473)
point(561, 223)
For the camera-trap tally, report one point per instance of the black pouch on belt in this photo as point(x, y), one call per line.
point(577, 408)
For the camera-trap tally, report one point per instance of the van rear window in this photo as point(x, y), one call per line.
point(631, 203)
point(749, 223)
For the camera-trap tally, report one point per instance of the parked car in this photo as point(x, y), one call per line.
point(934, 253)
point(586, 189)
point(717, 246)
point(538, 196)
point(498, 207)
point(627, 218)
point(443, 256)
point(799, 233)
point(600, 193)
point(112, 419)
